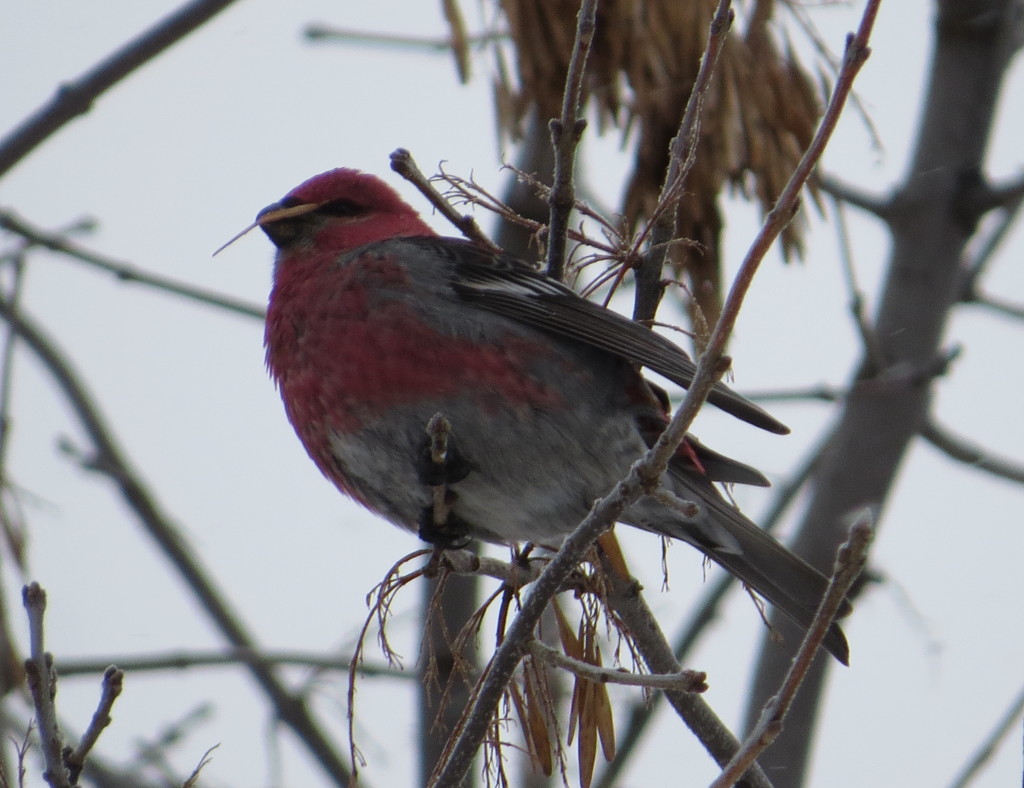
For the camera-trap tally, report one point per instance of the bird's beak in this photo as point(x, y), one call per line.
point(269, 216)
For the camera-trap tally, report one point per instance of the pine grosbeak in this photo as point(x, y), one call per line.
point(376, 324)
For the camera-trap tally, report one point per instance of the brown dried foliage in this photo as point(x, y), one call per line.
point(759, 115)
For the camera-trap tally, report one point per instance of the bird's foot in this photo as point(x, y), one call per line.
point(452, 534)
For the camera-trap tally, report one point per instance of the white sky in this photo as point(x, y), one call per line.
point(183, 154)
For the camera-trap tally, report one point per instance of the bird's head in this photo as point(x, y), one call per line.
point(339, 210)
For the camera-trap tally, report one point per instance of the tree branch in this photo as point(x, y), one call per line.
point(988, 747)
point(566, 133)
point(405, 165)
point(321, 33)
point(981, 258)
point(969, 453)
point(850, 562)
point(705, 612)
point(1000, 306)
point(682, 155)
point(42, 682)
point(625, 599)
point(113, 682)
point(924, 277)
point(849, 194)
point(680, 681)
point(110, 460)
point(184, 660)
point(126, 272)
point(76, 98)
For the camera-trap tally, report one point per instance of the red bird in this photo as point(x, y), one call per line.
point(376, 324)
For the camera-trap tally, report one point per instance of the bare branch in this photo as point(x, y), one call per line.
point(846, 193)
point(988, 747)
point(42, 682)
point(126, 272)
point(113, 682)
point(1000, 306)
point(645, 474)
point(625, 599)
point(472, 192)
point(969, 453)
point(403, 163)
point(705, 612)
point(681, 681)
point(987, 197)
point(981, 258)
point(194, 777)
point(800, 12)
point(7, 368)
point(566, 133)
point(682, 155)
point(76, 98)
point(850, 561)
point(110, 460)
point(184, 660)
point(872, 348)
point(513, 574)
point(519, 634)
point(321, 33)
point(820, 392)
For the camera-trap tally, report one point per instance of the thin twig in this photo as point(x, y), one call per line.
point(7, 367)
point(506, 657)
point(851, 195)
point(662, 224)
point(705, 612)
point(681, 681)
point(403, 163)
point(850, 560)
point(321, 33)
point(153, 750)
point(566, 133)
point(42, 682)
point(184, 660)
point(785, 208)
point(872, 347)
point(1001, 306)
point(126, 272)
point(76, 98)
point(513, 574)
point(472, 192)
point(804, 20)
point(110, 460)
point(818, 393)
point(113, 682)
point(991, 743)
point(980, 259)
point(969, 453)
point(193, 778)
point(625, 599)
point(645, 474)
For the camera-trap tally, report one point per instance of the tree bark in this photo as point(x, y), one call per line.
point(932, 216)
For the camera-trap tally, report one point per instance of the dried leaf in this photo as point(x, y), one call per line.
point(538, 735)
point(459, 40)
point(587, 743)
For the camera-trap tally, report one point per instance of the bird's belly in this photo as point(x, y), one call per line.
point(533, 473)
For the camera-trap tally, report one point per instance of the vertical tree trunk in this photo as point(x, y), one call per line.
point(932, 216)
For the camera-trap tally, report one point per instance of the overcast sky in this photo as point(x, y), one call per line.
point(181, 155)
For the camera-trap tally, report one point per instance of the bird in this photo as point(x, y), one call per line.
point(376, 324)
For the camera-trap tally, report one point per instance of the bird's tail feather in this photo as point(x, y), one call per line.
point(755, 557)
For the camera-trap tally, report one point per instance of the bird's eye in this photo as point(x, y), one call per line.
point(341, 208)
